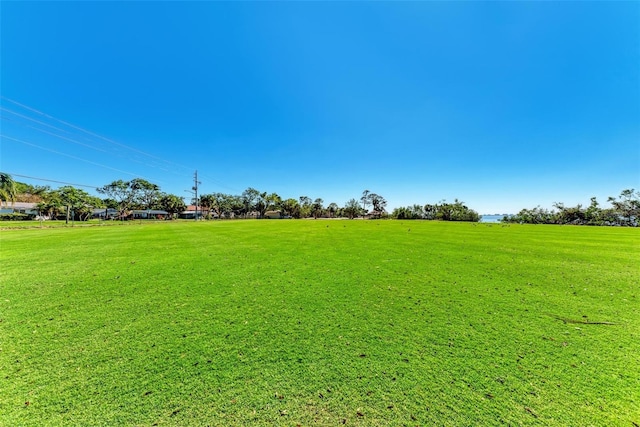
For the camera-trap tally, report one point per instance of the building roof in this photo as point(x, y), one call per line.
point(150, 211)
point(102, 210)
point(19, 205)
point(192, 208)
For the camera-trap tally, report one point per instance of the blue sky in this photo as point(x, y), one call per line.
point(503, 105)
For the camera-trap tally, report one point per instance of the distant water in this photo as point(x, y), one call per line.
point(491, 218)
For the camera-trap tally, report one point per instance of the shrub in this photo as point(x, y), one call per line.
point(15, 217)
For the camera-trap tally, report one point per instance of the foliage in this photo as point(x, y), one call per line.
point(378, 203)
point(15, 217)
point(220, 203)
point(365, 200)
point(206, 203)
point(409, 212)
point(249, 198)
point(145, 194)
point(352, 209)
point(172, 204)
point(290, 208)
point(625, 211)
point(456, 211)
point(628, 207)
point(317, 208)
point(7, 189)
point(141, 194)
point(332, 209)
point(30, 193)
point(305, 207)
point(77, 203)
point(120, 192)
point(135, 194)
point(267, 202)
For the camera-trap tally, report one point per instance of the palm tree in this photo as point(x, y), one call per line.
point(366, 200)
point(207, 201)
point(7, 189)
point(332, 208)
point(317, 208)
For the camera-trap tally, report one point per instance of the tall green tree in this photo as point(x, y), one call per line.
point(51, 206)
point(135, 194)
point(249, 198)
point(444, 211)
point(120, 192)
point(332, 209)
point(352, 209)
point(237, 206)
point(274, 201)
point(7, 189)
point(593, 214)
point(290, 207)
point(144, 193)
point(76, 202)
point(627, 205)
point(365, 201)
point(409, 212)
point(317, 208)
point(219, 203)
point(206, 203)
point(30, 193)
point(172, 204)
point(305, 206)
point(378, 203)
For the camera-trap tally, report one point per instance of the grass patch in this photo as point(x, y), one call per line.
point(320, 323)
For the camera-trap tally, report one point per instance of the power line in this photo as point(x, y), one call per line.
point(161, 164)
point(69, 139)
point(32, 119)
point(91, 133)
point(101, 150)
point(73, 140)
point(52, 180)
point(66, 155)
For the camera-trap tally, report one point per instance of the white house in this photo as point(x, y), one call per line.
point(19, 207)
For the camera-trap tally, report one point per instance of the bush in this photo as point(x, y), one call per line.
point(15, 217)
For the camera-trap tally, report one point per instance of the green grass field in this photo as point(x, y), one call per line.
point(371, 323)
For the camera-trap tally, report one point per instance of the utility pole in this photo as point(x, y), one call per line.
point(195, 189)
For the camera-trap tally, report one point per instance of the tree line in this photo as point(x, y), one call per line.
point(73, 203)
point(624, 211)
point(443, 211)
point(221, 205)
point(138, 194)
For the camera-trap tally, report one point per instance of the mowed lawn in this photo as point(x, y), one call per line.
point(371, 323)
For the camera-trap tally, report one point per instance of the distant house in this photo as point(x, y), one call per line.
point(104, 213)
point(273, 214)
point(19, 207)
point(374, 214)
point(190, 213)
point(149, 214)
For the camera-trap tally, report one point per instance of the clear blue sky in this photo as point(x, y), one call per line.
point(504, 105)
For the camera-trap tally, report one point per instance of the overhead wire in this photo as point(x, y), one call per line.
point(92, 133)
point(67, 155)
point(162, 164)
point(31, 119)
point(74, 141)
point(52, 180)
